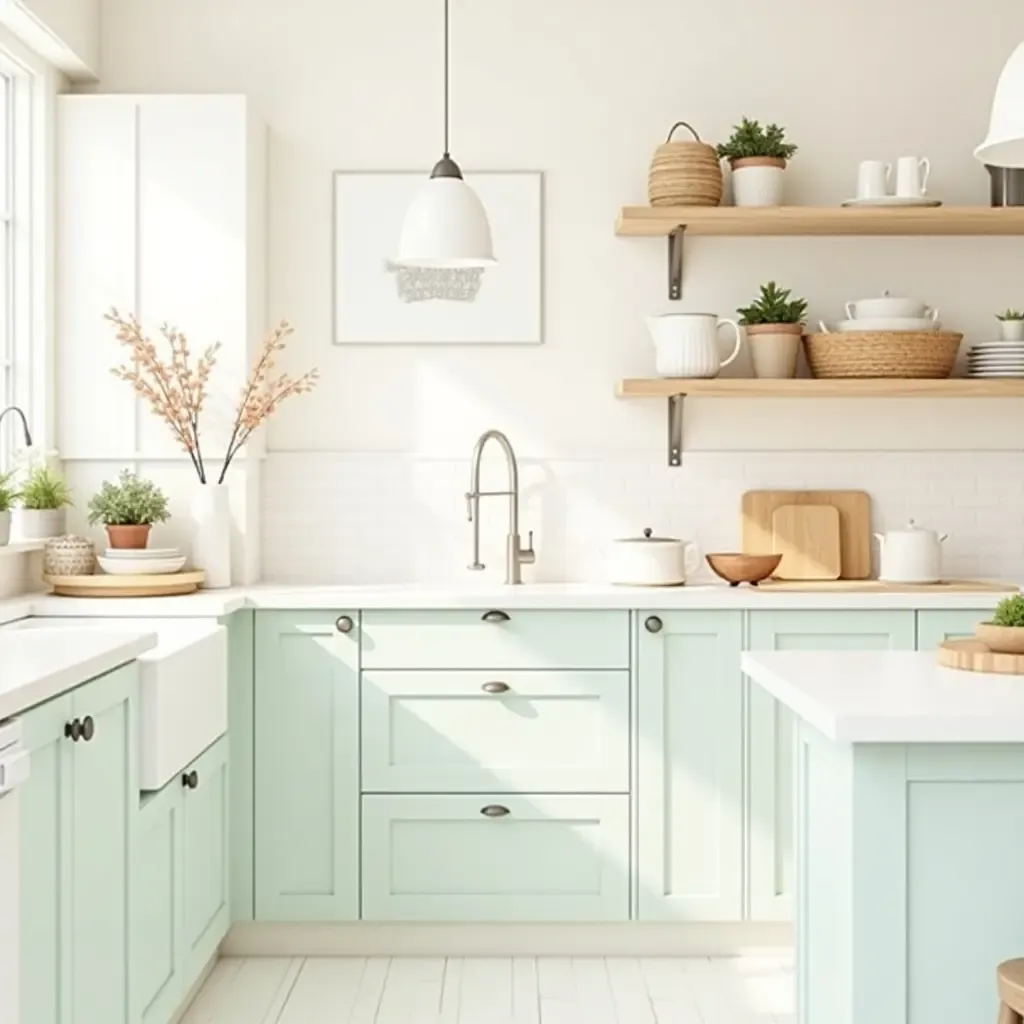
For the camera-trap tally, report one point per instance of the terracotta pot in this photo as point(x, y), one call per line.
point(133, 537)
point(774, 349)
point(757, 180)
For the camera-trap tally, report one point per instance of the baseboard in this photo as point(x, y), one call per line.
point(190, 998)
point(264, 938)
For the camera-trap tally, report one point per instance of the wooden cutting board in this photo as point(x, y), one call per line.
point(854, 507)
point(101, 585)
point(883, 587)
point(974, 656)
point(807, 537)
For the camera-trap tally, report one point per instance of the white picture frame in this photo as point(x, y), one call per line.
point(376, 303)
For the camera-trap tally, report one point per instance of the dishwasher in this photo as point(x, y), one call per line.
point(14, 767)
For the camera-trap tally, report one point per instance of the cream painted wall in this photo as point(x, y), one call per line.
point(65, 32)
point(584, 89)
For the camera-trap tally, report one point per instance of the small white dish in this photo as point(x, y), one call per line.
point(139, 553)
point(889, 323)
point(893, 201)
point(141, 567)
point(997, 373)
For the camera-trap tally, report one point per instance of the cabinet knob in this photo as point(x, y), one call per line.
point(495, 687)
point(73, 730)
point(88, 728)
point(494, 811)
point(495, 616)
point(653, 624)
point(190, 780)
point(345, 624)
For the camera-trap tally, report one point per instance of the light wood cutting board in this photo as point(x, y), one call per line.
point(758, 507)
point(807, 537)
point(974, 656)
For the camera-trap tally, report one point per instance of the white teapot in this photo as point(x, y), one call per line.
point(913, 555)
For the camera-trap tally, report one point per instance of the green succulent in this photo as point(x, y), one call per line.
point(773, 306)
point(8, 492)
point(750, 139)
point(1010, 612)
point(45, 489)
point(1010, 314)
point(132, 501)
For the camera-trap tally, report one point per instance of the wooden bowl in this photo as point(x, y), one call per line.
point(1002, 639)
point(735, 568)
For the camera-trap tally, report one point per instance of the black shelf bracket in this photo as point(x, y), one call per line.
point(675, 430)
point(675, 262)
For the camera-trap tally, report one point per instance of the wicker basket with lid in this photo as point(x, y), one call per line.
point(685, 173)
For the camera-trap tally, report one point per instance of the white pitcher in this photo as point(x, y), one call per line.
point(686, 344)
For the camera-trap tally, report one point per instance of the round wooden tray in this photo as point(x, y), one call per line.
point(974, 656)
point(166, 585)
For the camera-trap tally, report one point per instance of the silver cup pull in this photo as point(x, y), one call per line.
point(495, 811)
point(495, 687)
point(495, 616)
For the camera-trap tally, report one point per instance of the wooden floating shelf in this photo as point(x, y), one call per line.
point(659, 221)
point(742, 387)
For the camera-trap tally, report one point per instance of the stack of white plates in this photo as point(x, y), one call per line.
point(996, 359)
point(141, 561)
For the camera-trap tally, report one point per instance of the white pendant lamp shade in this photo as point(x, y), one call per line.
point(446, 226)
point(1004, 146)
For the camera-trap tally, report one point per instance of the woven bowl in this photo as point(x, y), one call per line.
point(1001, 639)
point(926, 355)
point(685, 173)
point(735, 568)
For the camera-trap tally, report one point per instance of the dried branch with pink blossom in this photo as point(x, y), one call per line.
point(176, 390)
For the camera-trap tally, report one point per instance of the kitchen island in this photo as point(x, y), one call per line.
point(910, 826)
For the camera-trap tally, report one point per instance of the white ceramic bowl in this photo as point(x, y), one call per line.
point(142, 566)
point(884, 307)
point(138, 554)
point(888, 323)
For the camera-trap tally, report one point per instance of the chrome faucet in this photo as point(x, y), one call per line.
point(24, 423)
point(515, 555)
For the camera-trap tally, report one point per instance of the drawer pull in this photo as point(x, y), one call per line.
point(495, 687)
point(190, 780)
point(73, 730)
point(88, 728)
point(653, 624)
point(494, 811)
point(495, 616)
point(345, 624)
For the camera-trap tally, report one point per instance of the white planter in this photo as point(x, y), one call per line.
point(758, 181)
point(774, 349)
point(211, 538)
point(39, 523)
point(5, 528)
point(1012, 330)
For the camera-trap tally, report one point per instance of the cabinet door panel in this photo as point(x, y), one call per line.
point(772, 743)
point(307, 768)
point(690, 782)
point(104, 786)
point(935, 626)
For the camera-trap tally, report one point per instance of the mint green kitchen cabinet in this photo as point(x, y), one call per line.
point(690, 766)
point(496, 857)
point(241, 668)
point(937, 625)
point(75, 852)
point(772, 743)
point(307, 766)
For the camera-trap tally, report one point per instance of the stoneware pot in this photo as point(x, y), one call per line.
point(69, 556)
point(39, 523)
point(650, 561)
point(774, 349)
point(1002, 639)
point(758, 180)
point(211, 537)
point(1012, 330)
point(5, 528)
point(131, 537)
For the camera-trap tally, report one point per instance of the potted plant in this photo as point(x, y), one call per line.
point(774, 325)
point(41, 505)
point(8, 496)
point(1005, 633)
point(1011, 324)
point(128, 509)
point(758, 159)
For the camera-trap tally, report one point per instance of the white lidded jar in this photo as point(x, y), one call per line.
point(912, 555)
point(650, 561)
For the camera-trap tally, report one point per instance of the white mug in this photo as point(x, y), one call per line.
point(873, 179)
point(912, 176)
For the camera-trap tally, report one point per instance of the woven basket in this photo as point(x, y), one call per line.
point(685, 173)
point(905, 354)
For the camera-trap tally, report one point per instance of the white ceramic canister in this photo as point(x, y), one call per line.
point(912, 555)
point(650, 561)
point(686, 344)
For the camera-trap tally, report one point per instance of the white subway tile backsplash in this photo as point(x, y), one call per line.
point(364, 518)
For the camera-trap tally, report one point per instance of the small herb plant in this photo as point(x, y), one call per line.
point(750, 139)
point(1010, 612)
point(773, 306)
point(44, 489)
point(8, 492)
point(1010, 314)
point(132, 501)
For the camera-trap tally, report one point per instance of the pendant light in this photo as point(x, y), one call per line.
point(446, 226)
point(1004, 146)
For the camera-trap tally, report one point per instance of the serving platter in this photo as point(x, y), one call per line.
point(168, 585)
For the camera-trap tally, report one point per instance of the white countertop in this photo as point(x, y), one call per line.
point(38, 664)
point(891, 696)
point(216, 603)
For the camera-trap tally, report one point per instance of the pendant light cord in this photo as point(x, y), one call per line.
point(446, 78)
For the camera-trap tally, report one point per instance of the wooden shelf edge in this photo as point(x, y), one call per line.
point(740, 387)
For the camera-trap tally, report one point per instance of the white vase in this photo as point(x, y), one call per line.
point(211, 539)
point(758, 181)
point(1013, 330)
point(39, 523)
point(5, 528)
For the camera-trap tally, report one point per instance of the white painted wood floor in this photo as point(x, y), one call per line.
point(519, 990)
